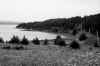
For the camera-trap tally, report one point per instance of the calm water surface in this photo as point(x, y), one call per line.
point(7, 31)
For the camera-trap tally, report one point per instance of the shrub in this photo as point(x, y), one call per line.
point(24, 41)
point(74, 45)
point(14, 39)
point(59, 41)
point(74, 32)
point(18, 47)
point(1, 40)
point(6, 47)
point(36, 41)
point(45, 42)
point(82, 37)
point(96, 44)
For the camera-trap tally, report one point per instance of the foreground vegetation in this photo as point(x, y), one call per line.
point(80, 51)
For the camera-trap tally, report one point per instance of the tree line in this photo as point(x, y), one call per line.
point(88, 23)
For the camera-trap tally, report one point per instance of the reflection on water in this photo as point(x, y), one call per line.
point(7, 31)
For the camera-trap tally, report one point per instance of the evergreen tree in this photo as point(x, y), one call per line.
point(96, 44)
point(36, 41)
point(18, 47)
point(59, 41)
point(14, 39)
point(24, 41)
point(74, 45)
point(6, 47)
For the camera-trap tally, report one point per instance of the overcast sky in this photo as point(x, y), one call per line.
point(36, 10)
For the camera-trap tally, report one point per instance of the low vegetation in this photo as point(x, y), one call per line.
point(24, 41)
point(36, 41)
point(6, 47)
point(83, 37)
point(18, 47)
point(59, 41)
point(14, 40)
point(96, 44)
point(74, 45)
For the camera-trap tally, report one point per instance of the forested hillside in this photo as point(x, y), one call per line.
point(88, 23)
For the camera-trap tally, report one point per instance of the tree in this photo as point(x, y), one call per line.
point(14, 39)
point(74, 32)
point(59, 41)
point(83, 37)
point(74, 45)
point(36, 41)
point(1, 40)
point(45, 42)
point(24, 41)
point(96, 44)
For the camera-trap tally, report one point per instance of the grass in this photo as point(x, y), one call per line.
point(50, 55)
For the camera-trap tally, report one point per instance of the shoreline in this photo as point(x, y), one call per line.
point(64, 35)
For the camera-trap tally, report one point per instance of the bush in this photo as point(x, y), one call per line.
point(45, 42)
point(59, 41)
point(96, 44)
point(74, 32)
point(18, 48)
point(74, 45)
point(14, 39)
point(24, 41)
point(82, 37)
point(1, 40)
point(36, 41)
point(6, 47)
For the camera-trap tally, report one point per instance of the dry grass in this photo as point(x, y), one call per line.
point(49, 56)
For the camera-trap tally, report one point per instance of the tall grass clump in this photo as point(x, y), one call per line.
point(14, 39)
point(24, 41)
point(6, 47)
point(36, 41)
point(59, 41)
point(18, 47)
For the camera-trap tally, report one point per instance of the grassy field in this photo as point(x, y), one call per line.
point(51, 55)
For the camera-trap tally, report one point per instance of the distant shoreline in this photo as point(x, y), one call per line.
point(64, 35)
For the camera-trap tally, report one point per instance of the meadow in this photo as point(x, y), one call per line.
point(51, 54)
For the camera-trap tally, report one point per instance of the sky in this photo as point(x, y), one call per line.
point(38, 10)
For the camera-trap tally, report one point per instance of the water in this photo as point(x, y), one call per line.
point(7, 31)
